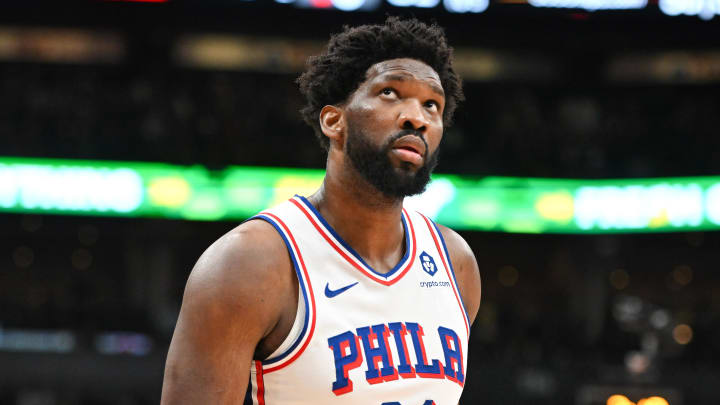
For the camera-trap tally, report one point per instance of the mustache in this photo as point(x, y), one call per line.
point(406, 132)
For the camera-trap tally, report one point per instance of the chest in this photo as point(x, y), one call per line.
point(398, 337)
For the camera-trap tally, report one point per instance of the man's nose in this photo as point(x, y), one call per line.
point(412, 116)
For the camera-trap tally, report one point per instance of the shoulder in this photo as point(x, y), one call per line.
point(247, 258)
point(466, 269)
point(242, 274)
point(245, 251)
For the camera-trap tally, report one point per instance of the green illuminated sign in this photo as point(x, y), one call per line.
point(504, 204)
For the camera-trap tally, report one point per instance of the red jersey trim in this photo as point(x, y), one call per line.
point(260, 394)
point(309, 335)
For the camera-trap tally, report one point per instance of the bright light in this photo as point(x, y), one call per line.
point(623, 400)
point(653, 401)
point(466, 6)
point(344, 5)
point(9, 187)
point(634, 207)
point(348, 5)
point(506, 204)
point(705, 9)
point(556, 206)
point(712, 204)
point(618, 400)
point(414, 3)
point(172, 191)
point(591, 5)
point(70, 188)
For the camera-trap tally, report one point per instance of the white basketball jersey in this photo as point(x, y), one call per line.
point(362, 337)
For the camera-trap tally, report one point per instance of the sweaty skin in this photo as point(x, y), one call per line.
point(241, 298)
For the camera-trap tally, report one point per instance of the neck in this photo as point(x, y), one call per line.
point(365, 218)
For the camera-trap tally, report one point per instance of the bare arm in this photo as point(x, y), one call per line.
point(234, 298)
point(466, 270)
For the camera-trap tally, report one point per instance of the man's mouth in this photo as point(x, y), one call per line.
point(411, 143)
point(410, 148)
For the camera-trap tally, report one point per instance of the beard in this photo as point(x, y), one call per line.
point(374, 165)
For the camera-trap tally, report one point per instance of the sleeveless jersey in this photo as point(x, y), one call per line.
point(361, 337)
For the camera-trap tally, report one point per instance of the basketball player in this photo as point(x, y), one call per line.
point(343, 296)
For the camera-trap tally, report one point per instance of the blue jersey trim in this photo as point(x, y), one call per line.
point(248, 394)
point(302, 286)
point(452, 270)
point(352, 251)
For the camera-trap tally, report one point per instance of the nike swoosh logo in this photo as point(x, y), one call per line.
point(331, 293)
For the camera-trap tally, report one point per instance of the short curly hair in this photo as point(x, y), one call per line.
point(334, 75)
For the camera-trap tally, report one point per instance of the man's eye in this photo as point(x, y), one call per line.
point(431, 104)
point(388, 91)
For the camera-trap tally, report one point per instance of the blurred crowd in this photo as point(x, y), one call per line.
point(185, 116)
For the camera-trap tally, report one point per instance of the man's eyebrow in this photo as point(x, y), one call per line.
point(403, 78)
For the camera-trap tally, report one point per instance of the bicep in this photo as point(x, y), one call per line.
point(226, 311)
point(470, 286)
point(210, 355)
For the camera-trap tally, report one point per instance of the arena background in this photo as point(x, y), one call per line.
point(88, 302)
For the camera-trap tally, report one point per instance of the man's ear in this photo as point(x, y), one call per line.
point(332, 123)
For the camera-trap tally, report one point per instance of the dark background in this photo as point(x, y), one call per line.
point(565, 319)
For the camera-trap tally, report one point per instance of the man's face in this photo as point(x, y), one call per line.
point(394, 126)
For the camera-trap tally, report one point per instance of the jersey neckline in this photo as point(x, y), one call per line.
point(352, 256)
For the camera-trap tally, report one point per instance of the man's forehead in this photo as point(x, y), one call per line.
point(403, 66)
